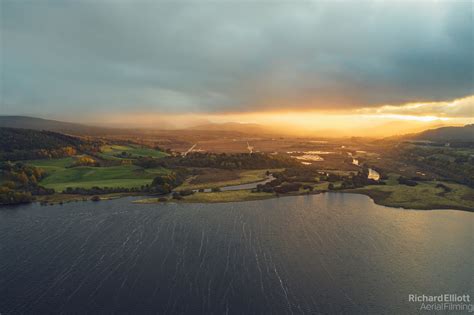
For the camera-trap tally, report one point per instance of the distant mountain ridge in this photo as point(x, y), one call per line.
point(25, 122)
point(462, 134)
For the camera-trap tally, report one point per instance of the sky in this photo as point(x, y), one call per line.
point(306, 63)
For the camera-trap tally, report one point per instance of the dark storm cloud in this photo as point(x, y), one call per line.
point(81, 56)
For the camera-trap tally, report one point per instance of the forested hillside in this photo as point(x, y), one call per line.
point(35, 123)
point(24, 144)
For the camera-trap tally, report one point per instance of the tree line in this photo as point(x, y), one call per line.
point(220, 160)
point(20, 183)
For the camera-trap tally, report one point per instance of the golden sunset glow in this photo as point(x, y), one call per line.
point(384, 120)
point(409, 117)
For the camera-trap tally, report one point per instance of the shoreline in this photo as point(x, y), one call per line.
point(379, 201)
point(232, 196)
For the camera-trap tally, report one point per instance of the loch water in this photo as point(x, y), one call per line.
point(327, 253)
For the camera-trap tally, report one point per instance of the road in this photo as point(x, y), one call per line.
point(190, 149)
point(250, 148)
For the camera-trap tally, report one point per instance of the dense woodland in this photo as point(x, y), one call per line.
point(25, 144)
point(229, 161)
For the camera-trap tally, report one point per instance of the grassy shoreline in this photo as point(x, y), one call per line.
point(199, 198)
point(381, 201)
point(213, 197)
point(65, 198)
point(424, 196)
point(246, 195)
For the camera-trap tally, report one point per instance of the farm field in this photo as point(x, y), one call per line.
point(131, 151)
point(60, 174)
point(126, 176)
point(52, 165)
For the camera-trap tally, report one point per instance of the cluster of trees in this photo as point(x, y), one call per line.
point(10, 197)
point(124, 155)
point(276, 186)
point(20, 183)
point(180, 194)
point(228, 161)
point(20, 174)
point(287, 181)
point(148, 162)
point(358, 180)
point(85, 161)
point(291, 180)
point(406, 181)
point(169, 151)
point(164, 184)
point(287, 187)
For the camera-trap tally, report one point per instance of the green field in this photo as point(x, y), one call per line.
point(134, 151)
point(52, 165)
point(61, 176)
point(126, 176)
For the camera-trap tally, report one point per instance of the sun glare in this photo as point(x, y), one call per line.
point(409, 117)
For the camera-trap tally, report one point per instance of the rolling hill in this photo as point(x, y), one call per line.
point(12, 139)
point(34, 123)
point(458, 134)
point(23, 144)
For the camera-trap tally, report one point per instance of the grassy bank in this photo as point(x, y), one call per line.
point(424, 196)
point(66, 198)
point(215, 197)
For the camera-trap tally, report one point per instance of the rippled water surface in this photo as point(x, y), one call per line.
point(308, 254)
